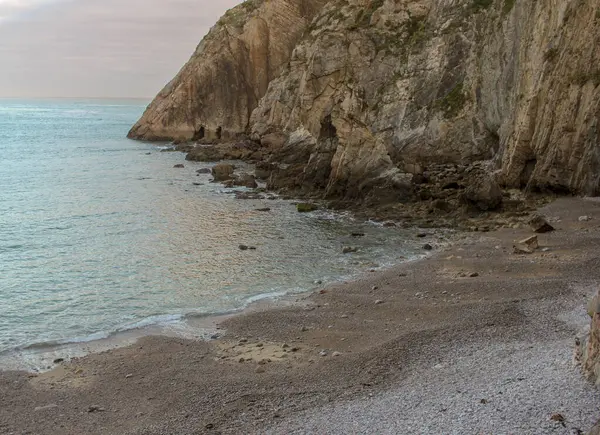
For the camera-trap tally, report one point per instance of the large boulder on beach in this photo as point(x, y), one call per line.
point(223, 172)
point(484, 193)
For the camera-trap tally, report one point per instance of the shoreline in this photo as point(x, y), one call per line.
point(38, 358)
point(467, 318)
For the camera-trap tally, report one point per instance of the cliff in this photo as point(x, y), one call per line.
point(374, 93)
point(214, 94)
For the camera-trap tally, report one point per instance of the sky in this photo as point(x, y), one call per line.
point(99, 48)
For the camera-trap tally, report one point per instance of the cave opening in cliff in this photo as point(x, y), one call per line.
point(328, 130)
point(199, 134)
point(527, 172)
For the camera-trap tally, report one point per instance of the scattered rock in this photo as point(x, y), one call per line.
point(358, 234)
point(244, 247)
point(422, 235)
point(223, 172)
point(127, 376)
point(389, 224)
point(204, 171)
point(323, 353)
point(334, 354)
point(58, 360)
point(557, 417)
point(531, 242)
point(522, 249)
point(259, 369)
point(95, 408)
point(349, 249)
point(303, 329)
point(179, 166)
point(378, 302)
point(483, 401)
point(585, 218)
point(427, 247)
point(540, 225)
point(198, 184)
point(474, 275)
point(266, 209)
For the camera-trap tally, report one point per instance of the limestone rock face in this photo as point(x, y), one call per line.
point(373, 92)
point(590, 351)
point(213, 95)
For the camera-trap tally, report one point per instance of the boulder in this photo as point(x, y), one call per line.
point(540, 225)
point(522, 249)
point(223, 172)
point(179, 166)
point(245, 180)
point(349, 249)
point(484, 193)
point(263, 170)
point(531, 242)
point(204, 171)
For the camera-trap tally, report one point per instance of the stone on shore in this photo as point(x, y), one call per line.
point(179, 166)
point(204, 171)
point(349, 249)
point(223, 172)
point(531, 242)
point(245, 180)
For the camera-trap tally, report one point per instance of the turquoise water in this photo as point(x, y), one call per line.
point(100, 234)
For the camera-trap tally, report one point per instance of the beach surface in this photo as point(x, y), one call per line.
point(472, 340)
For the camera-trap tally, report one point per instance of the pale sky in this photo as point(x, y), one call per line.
point(99, 48)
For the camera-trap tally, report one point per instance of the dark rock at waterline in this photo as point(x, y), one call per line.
point(179, 166)
point(428, 247)
point(222, 172)
point(263, 170)
point(540, 225)
point(422, 235)
point(265, 209)
point(198, 184)
point(247, 248)
point(204, 171)
point(245, 180)
point(306, 207)
point(58, 360)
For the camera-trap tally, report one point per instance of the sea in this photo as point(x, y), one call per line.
point(100, 235)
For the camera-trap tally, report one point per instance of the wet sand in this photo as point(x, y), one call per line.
point(354, 356)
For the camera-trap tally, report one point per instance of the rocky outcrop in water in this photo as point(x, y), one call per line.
point(369, 96)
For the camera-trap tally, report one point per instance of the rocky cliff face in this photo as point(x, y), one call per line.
point(590, 347)
point(373, 93)
point(214, 94)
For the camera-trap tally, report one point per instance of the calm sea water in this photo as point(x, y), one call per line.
point(100, 234)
